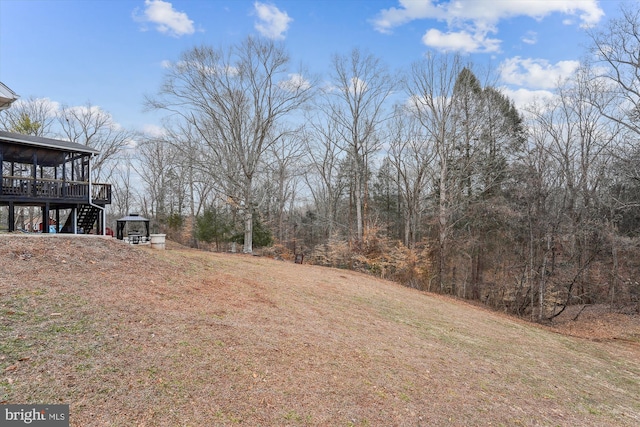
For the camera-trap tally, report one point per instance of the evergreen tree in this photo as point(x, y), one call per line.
point(213, 226)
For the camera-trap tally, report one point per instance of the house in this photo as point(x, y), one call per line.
point(7, 97)
point(56, 177)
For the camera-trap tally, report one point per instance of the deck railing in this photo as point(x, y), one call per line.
point(44, 188)
point(101, 192)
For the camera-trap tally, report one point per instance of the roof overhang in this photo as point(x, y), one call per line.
point(7, 97)
point(50, 143)
point(50, 152)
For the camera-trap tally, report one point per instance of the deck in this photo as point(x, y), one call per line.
point(55, 176)
point(39, 190)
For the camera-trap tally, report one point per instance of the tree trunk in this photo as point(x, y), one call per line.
point(248, 220)
point(543, 276)
point(248, 232)
point(358, 194)
point(442, 222)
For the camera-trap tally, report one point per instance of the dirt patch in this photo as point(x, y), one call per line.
point(131, 336)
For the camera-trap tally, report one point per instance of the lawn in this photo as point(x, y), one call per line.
point(133, 337)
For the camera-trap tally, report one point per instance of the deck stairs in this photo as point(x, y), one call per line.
point(87, 217)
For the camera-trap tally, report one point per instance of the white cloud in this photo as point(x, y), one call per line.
point(460, 42)
point(273, 22)
point(408, 11)
point(154, 131)
point(44, 105)
point(469, 21)
point(530, 38)
point(94, 115)
point(295, 82)
point(535, 73)
point(525, 97)
point(131, 144)
point(416, 104)
point(489, 11)
point(87, 110)
point(190, 66)
point(166, 19)
point(357, 86)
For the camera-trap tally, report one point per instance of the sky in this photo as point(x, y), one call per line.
point(111, 53)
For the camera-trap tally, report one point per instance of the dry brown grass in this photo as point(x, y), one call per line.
point(133, 337)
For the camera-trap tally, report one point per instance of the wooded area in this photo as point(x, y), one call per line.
point(433, 178)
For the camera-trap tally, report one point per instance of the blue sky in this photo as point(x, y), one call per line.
point(111, 52)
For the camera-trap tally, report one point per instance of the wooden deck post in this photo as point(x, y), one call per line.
point(45, 218)
point(34, 174)
point(12, 218)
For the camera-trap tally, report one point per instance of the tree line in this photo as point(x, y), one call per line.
point(431, 176)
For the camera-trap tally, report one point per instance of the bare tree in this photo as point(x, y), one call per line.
point(430, 86)
point(324, 155)
point(411, 153)
point(94, 127)
point(615, 49)
point(281, 179)
point(188, 154)
point(34, 116)
point(123, 190)
point(360, 87)
point(156, 159)
point(235, 99)
point(576, 139)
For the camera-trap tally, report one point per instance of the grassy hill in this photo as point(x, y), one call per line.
point(130, 336)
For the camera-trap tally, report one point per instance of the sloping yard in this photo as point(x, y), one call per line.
point(133, 337)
